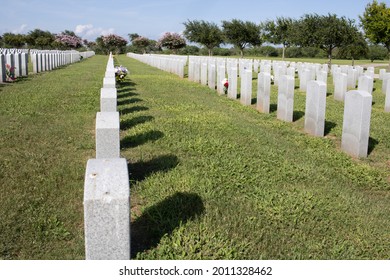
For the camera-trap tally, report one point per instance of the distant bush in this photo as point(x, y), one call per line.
point(267, 51)
point(312, 52)
point(377, 52)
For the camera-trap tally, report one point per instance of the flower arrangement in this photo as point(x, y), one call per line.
point(120, 73)
point(10, 73)
point(225, 84)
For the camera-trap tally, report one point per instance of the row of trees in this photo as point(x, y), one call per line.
point(325, 32)
point(39, 39)
point(328, 33)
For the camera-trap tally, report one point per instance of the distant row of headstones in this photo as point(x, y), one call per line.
point(15, 61)
point(170, 63)
point(106, 185)
point(313, 79)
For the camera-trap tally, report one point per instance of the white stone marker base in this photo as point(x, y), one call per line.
point(286, 99)
point(107, 210)
point(108, 99)
point(356, 123)
point(315, 108)
point(107, 135)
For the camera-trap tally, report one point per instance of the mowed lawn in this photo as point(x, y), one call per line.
point(210, 178)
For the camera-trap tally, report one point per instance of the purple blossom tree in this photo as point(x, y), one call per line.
point(69, 41)
point(112, 43)
point(172, 41)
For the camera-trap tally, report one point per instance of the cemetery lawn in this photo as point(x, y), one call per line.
point(210, 178)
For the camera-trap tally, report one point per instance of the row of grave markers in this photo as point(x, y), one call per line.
point(16, 61)
point(106, 185)
point(170, 63)
point(313, 79)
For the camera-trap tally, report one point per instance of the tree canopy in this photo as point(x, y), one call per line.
point(279, 32)
point(207, 34)
point(326, 32)
point(242, 34)
point(172, 41)
point(376, 23)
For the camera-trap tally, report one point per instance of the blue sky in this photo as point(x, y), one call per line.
point(90, 19)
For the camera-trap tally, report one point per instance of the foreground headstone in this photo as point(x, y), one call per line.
point(108, 82)
point(366, 83)
point(386, 78)
point(315, 108)
point(107, 210)
point(387, 99)
point(286, 99)
point(2, 68)
point(246, 87)
point(263, 92)
point(232, 90)
point(203, 74)
point(341, 85)
point(108, 99)
point(211, 77)
point(221, 74)
point(356, 123)
point(107, 135)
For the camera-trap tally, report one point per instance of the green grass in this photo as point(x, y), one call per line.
point(210, 178)
point(46, 137)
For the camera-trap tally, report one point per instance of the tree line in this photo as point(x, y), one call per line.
point(310, 35)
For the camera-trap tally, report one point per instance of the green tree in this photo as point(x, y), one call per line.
point(133, 36)
point(377, 52)
point(324, 32)
point(376, 24)
point(40, 39)
point(172, 41)
point(12, 40)
point(242, 34)
point(354, 49)
point(205, 33)
point(279, 32)
point(141, 43)
point(111, 43)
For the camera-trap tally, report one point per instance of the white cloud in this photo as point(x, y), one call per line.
point(90, 32)
point(20, 29)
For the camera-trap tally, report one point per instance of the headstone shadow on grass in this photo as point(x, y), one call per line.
point(125, 86)
point(140, 139)
point(142, 169)
point(130, 123)
point(273, 108)
point(162, 218)
point(328, 127)
point(297, 115)
point(129, 101)
point(133, 109)
point(371, 145)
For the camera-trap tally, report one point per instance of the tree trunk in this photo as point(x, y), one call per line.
point(210, 52)
point(330, 57)
point(353, 61)
point(242, 53)
point(283, 51)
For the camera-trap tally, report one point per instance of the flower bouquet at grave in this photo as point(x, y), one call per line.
point(225, 84)
point(10, 73)
point(120, 73)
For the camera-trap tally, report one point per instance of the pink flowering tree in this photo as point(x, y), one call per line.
point(141, 43)
point(172, 41)
point(112, 43)
point(68, 41)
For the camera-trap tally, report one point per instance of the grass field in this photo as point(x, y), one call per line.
point(210, 178)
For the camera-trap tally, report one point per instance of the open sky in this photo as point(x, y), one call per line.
point(151, 18)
